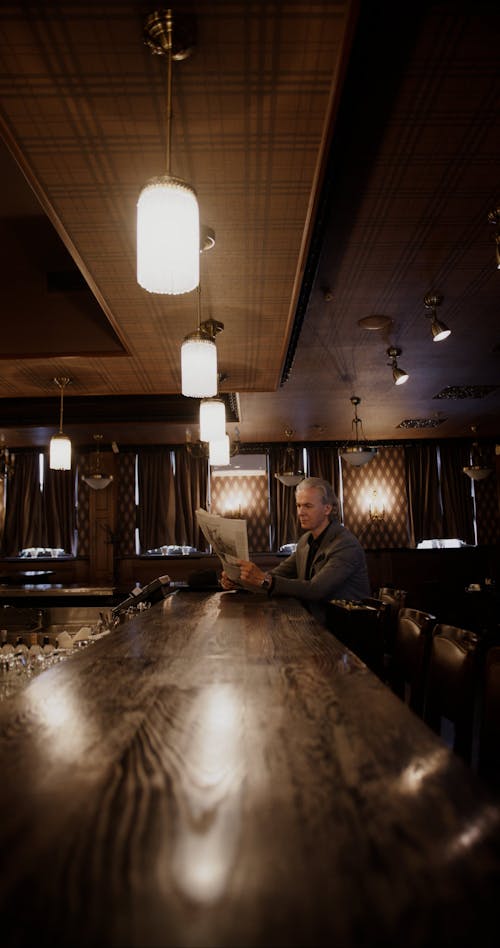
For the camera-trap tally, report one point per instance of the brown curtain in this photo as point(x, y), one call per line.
point(156, 515)
point(422, 489)
point(324, 462)
point(23, 508)
point(59, 508)
point(191, 486)
point(284, 524)
point(458, 508)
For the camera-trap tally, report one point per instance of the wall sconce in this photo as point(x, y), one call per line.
point(7, 461)
point(289, 477)
point(399, 375)
point(60, 445)
point(168, 222)
point(212, 419)
point(494, 218)
point(439, 330)
point(376, 509)
point(199, 358)
point(97, 480)
point(359, 453)
point(477, 470)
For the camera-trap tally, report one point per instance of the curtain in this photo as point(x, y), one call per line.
point(422, 489)
point(23, 509)
point(458, 508)
point(156, 515)
point(324, 462)
point(284, 524)
point(59, 508)
point(191, 487)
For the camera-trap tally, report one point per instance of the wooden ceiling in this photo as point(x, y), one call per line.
point(346, 156)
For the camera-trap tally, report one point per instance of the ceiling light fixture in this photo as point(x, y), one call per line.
point(199, 358)
point(212, 419)
point(477, 470)
point(60, 444)
point(494, 218)
point(97, 480)
point(399, 375)
point(439, 330)
point(7, 460)
point(290, 477)
point(219, 451)
point(168, 222)
point(360, 452)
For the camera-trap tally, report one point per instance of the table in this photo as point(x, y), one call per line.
point(220, 771)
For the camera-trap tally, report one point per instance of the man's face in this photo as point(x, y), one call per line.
point(313, 514)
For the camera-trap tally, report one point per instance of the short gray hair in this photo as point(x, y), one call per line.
point(328, 495)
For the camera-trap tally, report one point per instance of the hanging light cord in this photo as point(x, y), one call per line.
point(168, 51)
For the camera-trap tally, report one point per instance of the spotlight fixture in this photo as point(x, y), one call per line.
point(439, 330)
point(494, 218)
point(477, 470)
point(199, 358)
point(168, 222)
point(360, 452)
point(212, 419)
point(399, 375)
point(290, 477)
point(60, 445)
point(96, 479)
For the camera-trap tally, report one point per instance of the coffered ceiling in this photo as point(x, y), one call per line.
point(346, 156)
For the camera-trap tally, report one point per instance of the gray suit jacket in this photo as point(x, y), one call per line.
point(338, 571)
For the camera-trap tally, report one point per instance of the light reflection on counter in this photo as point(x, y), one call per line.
point(210, 801)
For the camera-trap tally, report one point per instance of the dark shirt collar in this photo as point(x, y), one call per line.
point(315, 542)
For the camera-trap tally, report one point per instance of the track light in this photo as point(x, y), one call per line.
point(439, 330)
point(399, 375)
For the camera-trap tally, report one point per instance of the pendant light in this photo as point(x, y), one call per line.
point(212, 419)
point(360, 452)
point(289, 476)
point(60, 444)
point(199, 358)
point(168, 222)
point(478, 469)
point(219, 451)
point(97, 480)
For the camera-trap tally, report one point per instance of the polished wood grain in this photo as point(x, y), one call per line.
point(221, 771)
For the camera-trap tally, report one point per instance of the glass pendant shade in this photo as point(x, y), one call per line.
point(219, 452)
point(212, 420)
point(199, 365)
point(168, 236)
point(60, 453)
point(356, 455)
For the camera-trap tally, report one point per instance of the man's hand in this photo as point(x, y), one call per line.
point(250, 577)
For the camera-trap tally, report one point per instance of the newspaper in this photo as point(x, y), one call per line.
point(227, 537)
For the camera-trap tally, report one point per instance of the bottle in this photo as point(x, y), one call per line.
point(137, 589)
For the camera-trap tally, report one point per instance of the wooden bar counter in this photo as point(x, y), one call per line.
point(220, 771)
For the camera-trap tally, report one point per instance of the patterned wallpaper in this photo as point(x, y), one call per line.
point(385, 475)
point(487, 509)
point(246, 496)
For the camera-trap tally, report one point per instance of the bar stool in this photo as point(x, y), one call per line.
point(396, 599)
point(359, 626)
point(411, 656)
point(451, 687)
point(489, 732)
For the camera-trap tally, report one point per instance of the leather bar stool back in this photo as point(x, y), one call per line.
point(396, 599)
point(451, 688)
point(359, 627)
point(411, 656)
point(489, 737)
